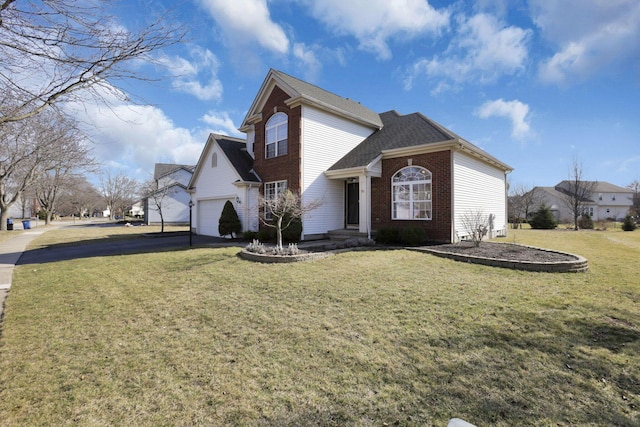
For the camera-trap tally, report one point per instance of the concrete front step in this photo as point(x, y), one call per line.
point(344, 234)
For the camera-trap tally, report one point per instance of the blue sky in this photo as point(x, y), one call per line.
point(535, 83)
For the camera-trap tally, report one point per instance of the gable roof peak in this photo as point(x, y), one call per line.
point(302, 92)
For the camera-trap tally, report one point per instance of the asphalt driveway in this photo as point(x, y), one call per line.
point(157, 242)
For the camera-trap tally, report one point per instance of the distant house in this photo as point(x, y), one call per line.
point(608, 201)
point(171, 190)
point(368, 170)
point(24, 207)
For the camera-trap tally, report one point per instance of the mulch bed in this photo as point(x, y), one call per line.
point(505, 251)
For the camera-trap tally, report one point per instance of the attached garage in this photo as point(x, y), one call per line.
point(208, 215)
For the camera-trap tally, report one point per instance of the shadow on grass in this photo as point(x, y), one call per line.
point(531, 369)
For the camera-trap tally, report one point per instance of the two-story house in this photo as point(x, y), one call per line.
point(170, 194)
point(368, 170)
point(607, 201)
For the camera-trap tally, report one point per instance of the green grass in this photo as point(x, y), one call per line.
point(201, 337)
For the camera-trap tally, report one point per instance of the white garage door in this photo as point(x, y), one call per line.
point(209, 212)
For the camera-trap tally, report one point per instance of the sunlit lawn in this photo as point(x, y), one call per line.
point(201, 337)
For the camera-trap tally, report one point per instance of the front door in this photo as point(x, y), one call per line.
point(353, 204)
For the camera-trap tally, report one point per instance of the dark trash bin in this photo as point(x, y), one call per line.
point(9, 224)
point(26, 225)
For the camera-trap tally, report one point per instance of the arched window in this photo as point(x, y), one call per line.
point(276, 136)
point(411, 194)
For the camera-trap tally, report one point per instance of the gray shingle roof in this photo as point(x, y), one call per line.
point(162, 169)
point(399, 131)
point(236, 151)
point(344, 105)
point(599, 187)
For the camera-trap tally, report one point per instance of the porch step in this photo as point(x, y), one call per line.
point(344, 234)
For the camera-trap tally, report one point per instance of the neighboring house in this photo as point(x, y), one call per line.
point(172, 181)
point(224, 173)
point(368, 170)
point(608, 201)
point(24, 207)
point(137, 209)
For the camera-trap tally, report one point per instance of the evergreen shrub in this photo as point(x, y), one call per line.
point(388, 236)
point(585, 222)
point(543, 219)
point(229, 222)
point(412, 236)
point(628, 224)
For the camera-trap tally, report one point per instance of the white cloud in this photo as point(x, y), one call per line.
point(244, 22)
point(590, 36)
point(221, 123)
point(134, 137)
point(309, 60)
point(374, 22)
point(187, 75)
point(515, 111)
point(483, 50)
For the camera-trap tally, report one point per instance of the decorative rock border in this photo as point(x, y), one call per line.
point(281, 259)
point(579, 265)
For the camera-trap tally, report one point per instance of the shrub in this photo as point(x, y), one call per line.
point(229, 222)
point(249, 235)
point(266, 234)
point(628, 224)
point(412, 236)
point(293, 232)
point(388, 236)
point(585, 222)
point(543, 219)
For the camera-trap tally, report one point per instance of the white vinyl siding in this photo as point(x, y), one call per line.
point(175, 207)
point(326, 138)
point(213, 187)
point(478, 187)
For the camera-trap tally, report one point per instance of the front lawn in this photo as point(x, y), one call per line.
point(201, 337)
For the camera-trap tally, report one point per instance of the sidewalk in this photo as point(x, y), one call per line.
point(10, 252)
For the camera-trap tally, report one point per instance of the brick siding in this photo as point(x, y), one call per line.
point(281, 168)
point(438, 229)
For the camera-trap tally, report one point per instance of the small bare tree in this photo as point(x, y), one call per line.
point(476, 224)
point(635, 187)
point(577, 192)
point(280, 211)
point(155, 194)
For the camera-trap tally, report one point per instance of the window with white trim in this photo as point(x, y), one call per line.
point(273, 190)
point(276, 136)
point(411, 194)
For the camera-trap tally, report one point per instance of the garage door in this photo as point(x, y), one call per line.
point(209, 212)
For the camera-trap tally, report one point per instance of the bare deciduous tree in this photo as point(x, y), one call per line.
point(280, 211)
point(118, 191)
point(72, 159)
point(635, 187)
point(51, 50)
point(29, 148)
point(155, 194)
point(522, 201)
point(577, 192)
point(80, 197)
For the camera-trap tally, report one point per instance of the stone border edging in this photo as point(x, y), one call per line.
point(579, 265)
point(281, 259)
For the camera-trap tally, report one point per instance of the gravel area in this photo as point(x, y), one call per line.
point(505, 251)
